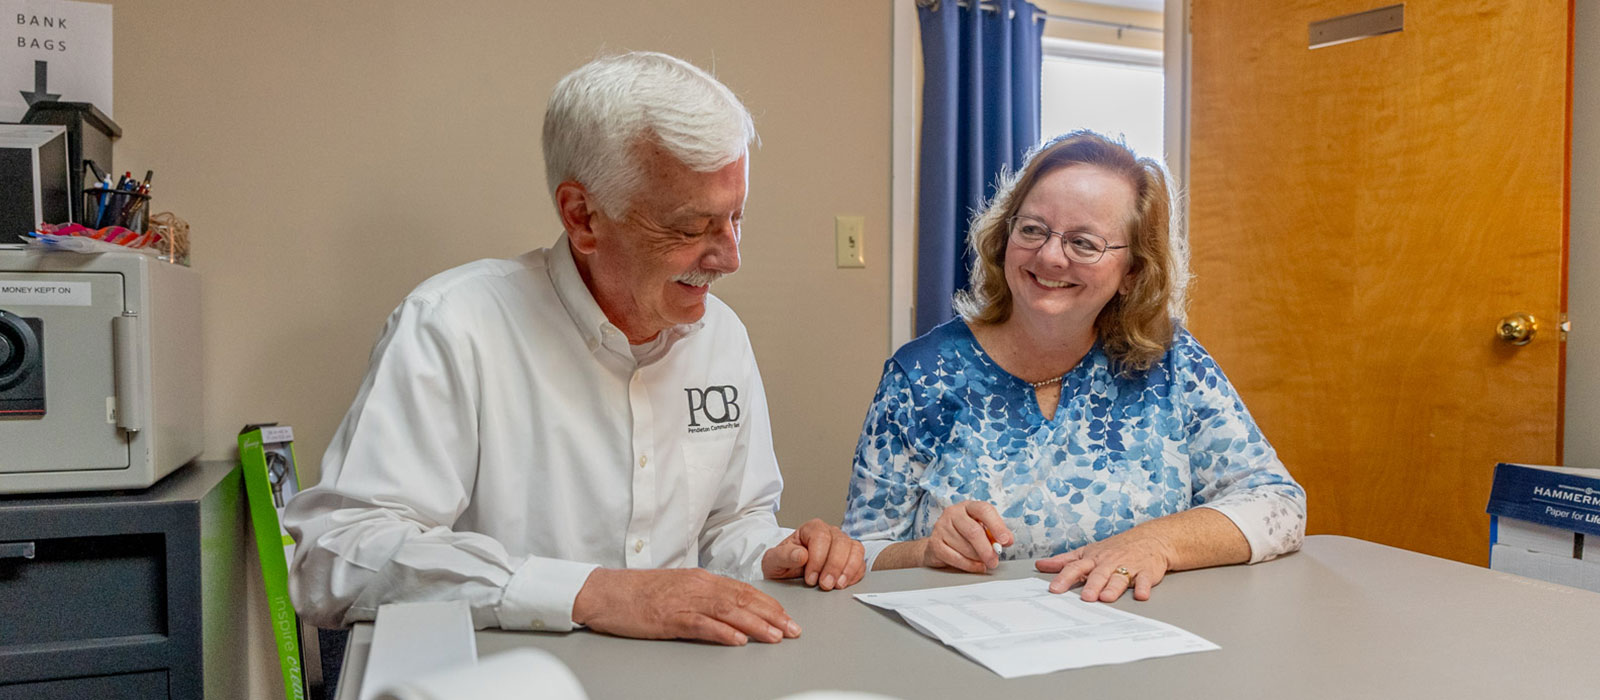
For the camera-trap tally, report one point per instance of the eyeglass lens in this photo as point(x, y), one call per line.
point(1077, 245)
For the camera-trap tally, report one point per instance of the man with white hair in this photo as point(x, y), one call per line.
point(558, 438)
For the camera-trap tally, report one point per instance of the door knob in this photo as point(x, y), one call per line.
point(1518, 328)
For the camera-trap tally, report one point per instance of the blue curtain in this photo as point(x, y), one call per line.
point(980, 112)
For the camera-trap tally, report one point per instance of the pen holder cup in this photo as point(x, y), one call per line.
point(113, 207)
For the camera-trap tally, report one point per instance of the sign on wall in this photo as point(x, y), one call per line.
point(54, 50)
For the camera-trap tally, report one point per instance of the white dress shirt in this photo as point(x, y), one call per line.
point(506, 442)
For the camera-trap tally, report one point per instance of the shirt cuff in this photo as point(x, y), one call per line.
point(540, 593)
point(874, 548)
point(1242, 515)
point(774, 540)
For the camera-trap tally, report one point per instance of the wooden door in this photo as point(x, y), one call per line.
point(1361, 217)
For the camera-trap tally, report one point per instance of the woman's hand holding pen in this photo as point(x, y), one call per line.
point(967, 536)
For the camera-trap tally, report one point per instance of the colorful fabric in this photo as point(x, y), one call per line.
point(948, 424)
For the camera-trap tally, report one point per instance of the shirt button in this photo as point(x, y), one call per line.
point(638, 546)
point(643, 460)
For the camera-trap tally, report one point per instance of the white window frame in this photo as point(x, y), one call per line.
point(903, 177)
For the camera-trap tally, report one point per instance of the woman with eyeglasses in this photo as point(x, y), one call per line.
point(1066, 415)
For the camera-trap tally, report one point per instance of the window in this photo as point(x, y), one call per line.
point(1114, 90)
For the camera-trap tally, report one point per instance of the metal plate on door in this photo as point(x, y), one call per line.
point(1361, 25)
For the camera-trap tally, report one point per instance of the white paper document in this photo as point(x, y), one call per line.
point(412, 640)
point(1019, 628)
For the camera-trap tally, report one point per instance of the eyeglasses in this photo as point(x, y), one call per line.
point(1081, 247)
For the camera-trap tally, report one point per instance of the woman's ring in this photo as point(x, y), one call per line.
point(1123, 570)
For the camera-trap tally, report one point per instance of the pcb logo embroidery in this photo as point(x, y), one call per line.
point(717, 406)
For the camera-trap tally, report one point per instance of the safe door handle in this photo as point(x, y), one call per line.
point(128, 347)
point(16, 550)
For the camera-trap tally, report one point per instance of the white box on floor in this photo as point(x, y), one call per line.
point(1566, 571)
point(1541, 517)
point(1533, 537)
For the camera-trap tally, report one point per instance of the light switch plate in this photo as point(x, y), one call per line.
point(848, 244)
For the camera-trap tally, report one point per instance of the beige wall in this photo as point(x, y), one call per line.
point(330, 156)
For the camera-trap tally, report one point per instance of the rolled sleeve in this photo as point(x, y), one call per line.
point(380, 527)
point(1254, 520)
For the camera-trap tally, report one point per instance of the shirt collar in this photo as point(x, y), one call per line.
point(596, 329)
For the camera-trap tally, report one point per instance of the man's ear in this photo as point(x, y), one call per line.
point(577, 209)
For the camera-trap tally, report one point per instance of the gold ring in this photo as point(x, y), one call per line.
point(1125, 573)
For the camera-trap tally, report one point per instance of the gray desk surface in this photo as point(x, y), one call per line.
point(1342, 618)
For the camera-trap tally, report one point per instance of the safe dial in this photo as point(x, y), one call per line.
point(19, 349)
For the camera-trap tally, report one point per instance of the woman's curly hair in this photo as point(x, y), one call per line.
point(1134, 328)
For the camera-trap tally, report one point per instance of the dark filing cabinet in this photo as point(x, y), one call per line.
point(135, 594)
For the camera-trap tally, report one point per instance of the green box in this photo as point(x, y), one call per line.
point(270, 480)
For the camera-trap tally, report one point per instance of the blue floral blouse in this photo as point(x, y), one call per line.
point(948, 424)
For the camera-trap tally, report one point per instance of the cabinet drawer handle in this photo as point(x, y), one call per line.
point(16, 550)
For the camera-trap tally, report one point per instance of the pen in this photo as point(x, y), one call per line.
point(100, 206)
point(103, 202)
point(131, 216)
point(998, 550)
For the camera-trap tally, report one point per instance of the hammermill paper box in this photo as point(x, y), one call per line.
point(1540, 520)
point(270, 480)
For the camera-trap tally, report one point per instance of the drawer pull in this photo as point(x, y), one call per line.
point(16, 550)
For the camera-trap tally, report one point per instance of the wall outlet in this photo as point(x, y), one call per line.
point(847, 231)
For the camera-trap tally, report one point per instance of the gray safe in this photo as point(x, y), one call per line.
point(100, 366)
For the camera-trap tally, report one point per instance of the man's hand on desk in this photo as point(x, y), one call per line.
point(826, 556)
point(679, 604)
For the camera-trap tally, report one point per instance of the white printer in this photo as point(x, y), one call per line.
point(100, 368)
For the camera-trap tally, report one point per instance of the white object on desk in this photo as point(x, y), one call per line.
point(415, 640)
point(1019, 628)
point(511, 675)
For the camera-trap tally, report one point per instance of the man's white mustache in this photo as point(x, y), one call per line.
point(699, 278)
